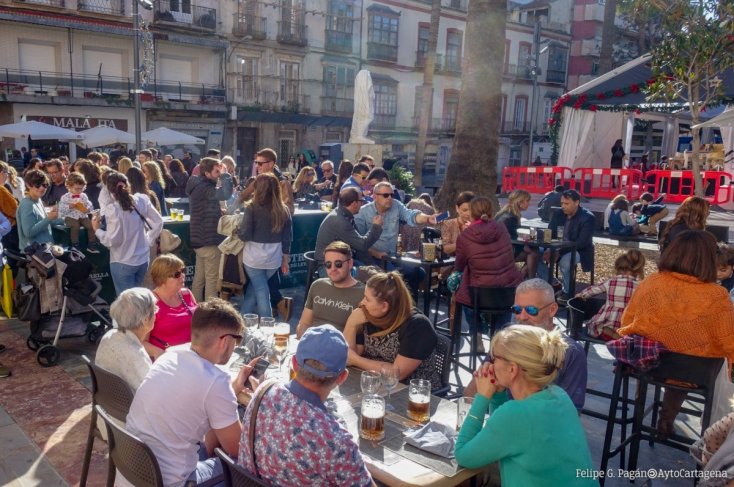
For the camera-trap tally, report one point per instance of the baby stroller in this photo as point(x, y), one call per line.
point(72, 305)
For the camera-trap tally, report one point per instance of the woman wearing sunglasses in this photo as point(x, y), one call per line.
point(34, 222)
point(176, 305)
point(387, 331)
point(304, 184)
point(536, 436)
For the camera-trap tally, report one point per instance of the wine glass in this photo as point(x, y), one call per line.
point(280, 350)
point(390, 376)
point(370, 381)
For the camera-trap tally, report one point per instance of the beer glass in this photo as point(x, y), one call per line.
point(251, 320)
point(463, 405)
point(267, 325)
point(372, 418)
point(419, 400)
point(370, 382)
point(280, 343)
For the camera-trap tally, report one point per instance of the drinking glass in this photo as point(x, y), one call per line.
point(280, 349)
point(390, 377)
point(463, 405)
point(370, 381)
point(419, 400)
point(372, 418)
point(251, 320)
point(267, 326)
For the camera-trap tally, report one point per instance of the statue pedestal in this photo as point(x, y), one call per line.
point(354, 152)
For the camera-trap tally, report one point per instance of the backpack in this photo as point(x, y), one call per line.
point(616, 227)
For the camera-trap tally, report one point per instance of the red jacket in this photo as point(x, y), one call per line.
point(484, 254)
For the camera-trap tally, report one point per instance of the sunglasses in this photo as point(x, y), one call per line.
point(384, 195)
point(42, 185)
point(260, 163)
point(237, 338)
point(531, 310)
point(337, 263)
point(178, 274)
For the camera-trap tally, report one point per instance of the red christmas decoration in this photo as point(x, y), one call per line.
point(634, 88)
point(618, 93)
point(592, 108)
point(551, 122)
point(600, 96)
point(578, 104)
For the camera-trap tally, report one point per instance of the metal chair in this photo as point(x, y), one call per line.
point(313, 268)
point(112, 393)
point(128, 454)
point(443, 364)
point(235, 475)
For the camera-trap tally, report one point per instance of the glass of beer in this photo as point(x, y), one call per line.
point(282, 333)
point(419, 400)
point(372, 418)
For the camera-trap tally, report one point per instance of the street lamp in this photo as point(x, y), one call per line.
point(147, 5)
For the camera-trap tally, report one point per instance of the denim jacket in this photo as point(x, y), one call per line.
point(388, 241)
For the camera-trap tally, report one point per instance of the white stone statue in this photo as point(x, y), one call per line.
point(364, 108)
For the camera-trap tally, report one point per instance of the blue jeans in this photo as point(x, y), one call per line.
point(564, 265)
point(127, 276)
point(257, 292)
point(209, 471)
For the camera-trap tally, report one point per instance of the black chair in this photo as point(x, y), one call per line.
point(443, 364)
point(700, 371)
point(112, 393)
point(128, 454)
point(430, 233)
point(312, 272)
point(235, 475)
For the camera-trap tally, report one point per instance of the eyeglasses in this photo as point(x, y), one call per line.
point(531, 310)
point(337, 263)
point(42, 185)
point(260, 163)
point(237, 338)
point(384, 195)
point(493, 358)
point(178, 274)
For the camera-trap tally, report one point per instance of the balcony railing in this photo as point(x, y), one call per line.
point(249, 25)
point(382, 52)
point(53, 3)
point(183, 12)
point(451, 63)
point(437, 125)
point(110, 88)
point(521, 71)
point(461, 5)
point(555, 76)
point(292, 33)
point(518, 127)
point(107, 7)
point(331, 105)
point(383, 122)
point(263, 93)
point(339, 41)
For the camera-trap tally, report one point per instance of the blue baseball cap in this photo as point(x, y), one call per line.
point(325, 344)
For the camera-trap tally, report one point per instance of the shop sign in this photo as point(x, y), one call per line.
point(80, 123)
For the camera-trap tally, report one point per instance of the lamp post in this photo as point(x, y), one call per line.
point(534, 72)
point(148, 5)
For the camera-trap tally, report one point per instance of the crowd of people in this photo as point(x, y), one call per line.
point(169, 340)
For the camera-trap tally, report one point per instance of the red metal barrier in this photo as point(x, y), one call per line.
point(534, 179)
point(678, 185)
point(608, 183)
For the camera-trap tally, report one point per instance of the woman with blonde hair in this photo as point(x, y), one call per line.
point(303, 185)
point(691, 215)
point(387, 331)
point(537, 436)
point(124, 164)
point(155, 181)
point(511, 215)
point(267, 231)
point(16, 183)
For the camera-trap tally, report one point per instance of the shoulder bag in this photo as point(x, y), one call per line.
point(256, 400)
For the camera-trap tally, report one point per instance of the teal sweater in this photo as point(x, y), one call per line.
point(538, 441)
point(33, 224)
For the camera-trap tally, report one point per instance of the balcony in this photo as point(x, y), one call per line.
point(339, 41)
point(249, 25)
point(382, 52)
point(262, 93)
point(383, 122)
point(339, 107)
point(517, 127)
point(451, 64)
point(437, 125)
point(462, 5)
point(53, 3)
point(555, 76)
point(292, 33)
point(111, 89)
point(521, 71)
point(107, 7)
point(184, 13)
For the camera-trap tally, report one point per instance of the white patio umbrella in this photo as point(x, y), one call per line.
point(165, 136)
point(38, 131)
point(103, 135)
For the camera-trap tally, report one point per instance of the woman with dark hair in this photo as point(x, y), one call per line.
point(386, 330)
point(156, 183)
point(691, 215)
point(682, 307)
point(34, 223)
point(345, 172)
point(169, 182)
point(617, 155)
point(133, 225)
point(267, 231)
point(92, 174)
point(179, 174)
point(450, 229)
point(139, 185)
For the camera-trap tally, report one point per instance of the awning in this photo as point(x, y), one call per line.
point(294, 118)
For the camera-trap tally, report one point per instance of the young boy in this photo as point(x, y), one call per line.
point(725, 266)
point(649, 212)
point(74, 208)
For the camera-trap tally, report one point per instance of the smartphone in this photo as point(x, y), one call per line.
point(442, 216)
point(260, 367)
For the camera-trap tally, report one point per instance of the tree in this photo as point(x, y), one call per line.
point(473, 164)
point(607, 37)
point(427, 98)
point(697, 47)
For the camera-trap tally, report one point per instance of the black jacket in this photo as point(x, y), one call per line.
point(580, 229)
point(204, 198)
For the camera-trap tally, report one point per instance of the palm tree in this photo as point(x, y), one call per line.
point(608, 31)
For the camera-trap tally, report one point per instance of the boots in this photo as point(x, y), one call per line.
point(672, 402)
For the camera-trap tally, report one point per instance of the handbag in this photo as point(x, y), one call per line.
point(28, 303)
point(168, 241)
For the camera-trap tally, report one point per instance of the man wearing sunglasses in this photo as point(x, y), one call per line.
point(326, 185)
point(358, 179)
point(332, 299)
point(186, 405)
point(535, 305)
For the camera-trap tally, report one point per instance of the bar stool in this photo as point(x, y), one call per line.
point(312, 268)
point(700, 371)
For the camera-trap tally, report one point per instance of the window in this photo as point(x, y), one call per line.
point(38, 56)
point(386, 104)
point(424, 32)
point(286, 144)
point(382, 36)
point(289, 82)
point(453, 50)
point(341, 16)
point(339, 89)
point(175, 69)
point(556, 72)
point(523, 60)
point(418, 108)
point(521, 103)
point(547, 107)
point(450, 109)
point(248, 81)
point(105, 63)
